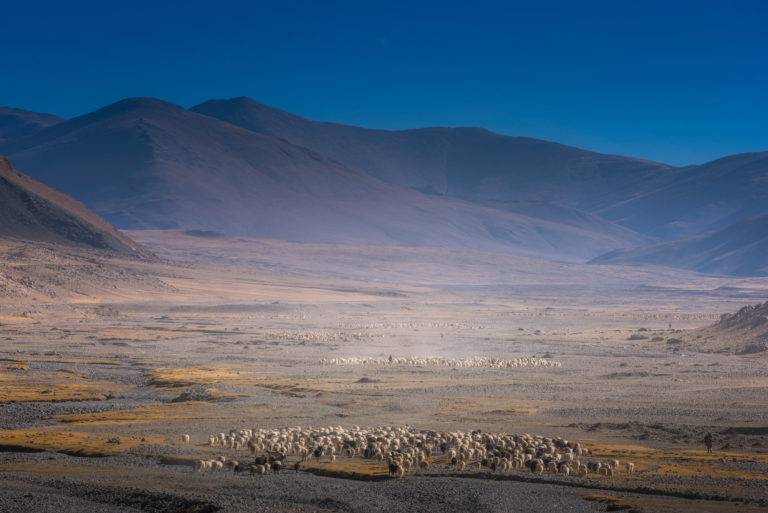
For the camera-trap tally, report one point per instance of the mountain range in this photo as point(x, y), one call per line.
point(242, 168)
point(144, 163)
point(652, 198)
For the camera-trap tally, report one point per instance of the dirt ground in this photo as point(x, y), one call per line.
point(98, 385)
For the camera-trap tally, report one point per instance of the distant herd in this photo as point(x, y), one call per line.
point(475, 361)
point(402, 450)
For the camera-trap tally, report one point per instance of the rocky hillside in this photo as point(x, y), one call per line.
point(743, 332)
point(32, 211)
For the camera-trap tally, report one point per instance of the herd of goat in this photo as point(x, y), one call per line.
point(403, 450)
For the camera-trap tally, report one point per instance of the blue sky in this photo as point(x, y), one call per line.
point(678, 82)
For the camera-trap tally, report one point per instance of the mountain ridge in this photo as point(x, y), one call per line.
point(144, 163)
point(16, 123)
point(656, 199)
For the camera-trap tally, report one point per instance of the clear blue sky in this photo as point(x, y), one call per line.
point(674, 81)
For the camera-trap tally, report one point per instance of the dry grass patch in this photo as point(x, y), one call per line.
point(167, 377)
point(163, 414)
point(174, 378)
point(55, 388)
point(480, 410)
point(749, 404)
point(71, 442)
point(15, 367)
point(688, 463)
point(348, 468)
point(160, 413)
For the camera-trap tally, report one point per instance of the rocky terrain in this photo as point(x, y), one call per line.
point(742, 332)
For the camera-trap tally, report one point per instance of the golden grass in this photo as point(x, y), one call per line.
point(748, 404)
point(75, 442)
point(15, 367)
point(56, 387)
point(162, 415)
point(349, 467)
point(156, 413)
point(481, 409)
point(166, 378)
point(686, 462)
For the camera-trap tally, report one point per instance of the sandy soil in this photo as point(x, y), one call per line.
point(98, 382)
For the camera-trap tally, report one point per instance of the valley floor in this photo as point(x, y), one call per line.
point(98, 386)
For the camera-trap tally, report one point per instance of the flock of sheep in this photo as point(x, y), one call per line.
point(403, 450)
point(434, 361)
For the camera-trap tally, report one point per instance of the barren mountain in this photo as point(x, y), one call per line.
point(17, 122)
point(144, 163)
point(31, 211)
point(476, 164)
point(461, 162)
point(738, 250)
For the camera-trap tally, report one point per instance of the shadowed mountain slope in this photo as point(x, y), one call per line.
point(476, 164)
point(32, 211)
point(708, 197)
point(17, 122)
point(740, 249)
point(460, 162)
point(144, 163)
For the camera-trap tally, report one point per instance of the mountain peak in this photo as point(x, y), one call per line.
point(137, 103)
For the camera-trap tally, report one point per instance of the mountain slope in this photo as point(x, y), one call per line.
point(651, 198)
point(461, 162)
point(740, 250)
point(144, 163)
point(17, 122)
point(32, 211)
point(699, 198)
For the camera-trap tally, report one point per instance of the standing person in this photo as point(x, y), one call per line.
point(708, 442)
